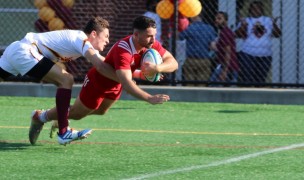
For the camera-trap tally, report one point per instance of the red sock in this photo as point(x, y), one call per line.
point(63, 98)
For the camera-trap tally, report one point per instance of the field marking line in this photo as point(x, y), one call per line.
point(216, 163)
point(193, 132)
point(172, 132)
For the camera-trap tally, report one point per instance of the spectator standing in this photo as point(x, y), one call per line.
point(227, 65)
point(151, 13)
point(198, 36)
point(257, 31)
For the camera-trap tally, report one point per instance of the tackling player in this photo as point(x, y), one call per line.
point(36, 56)
point(99, 93)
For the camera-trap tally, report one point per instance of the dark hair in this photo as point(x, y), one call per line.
point(142, 23)
point(258, 3)
point(97, 24)
point(151, 5)
point(224, 14)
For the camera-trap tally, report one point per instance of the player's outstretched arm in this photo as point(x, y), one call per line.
point(159, 99)
point(102, 67)
point(169, 63)
point(125, 77)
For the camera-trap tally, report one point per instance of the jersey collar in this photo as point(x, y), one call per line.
point(132, 46)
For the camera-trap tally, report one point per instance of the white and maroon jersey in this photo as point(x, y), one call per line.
point(258, 45)
point(61, 45)
point(122, 55)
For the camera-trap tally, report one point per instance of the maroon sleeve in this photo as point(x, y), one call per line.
point(226, 39)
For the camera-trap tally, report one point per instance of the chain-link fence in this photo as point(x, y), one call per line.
point(217, 43)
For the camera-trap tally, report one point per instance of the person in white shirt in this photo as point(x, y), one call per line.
point(151, 13)
point(36, 56)
point(255, 56)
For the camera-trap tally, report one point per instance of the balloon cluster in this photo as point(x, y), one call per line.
point(186, 9)
point(54, 15)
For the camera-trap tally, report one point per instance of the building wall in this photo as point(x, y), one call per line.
point(120, 15)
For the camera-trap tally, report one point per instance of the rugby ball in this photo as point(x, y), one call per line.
point(152, 56)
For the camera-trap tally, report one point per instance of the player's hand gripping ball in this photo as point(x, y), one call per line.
point(152, 56)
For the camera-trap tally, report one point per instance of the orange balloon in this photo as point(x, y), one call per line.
point(68, 3)
point(46, 13)
point(56, 24)
point(40, 3)
point(190, 8)
point(165, 9)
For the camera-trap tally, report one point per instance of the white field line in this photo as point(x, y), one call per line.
point(216, 163)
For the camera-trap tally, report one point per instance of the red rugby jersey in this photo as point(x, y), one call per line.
point(122, 55)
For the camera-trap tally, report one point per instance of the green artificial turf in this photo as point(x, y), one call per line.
point(175, 140)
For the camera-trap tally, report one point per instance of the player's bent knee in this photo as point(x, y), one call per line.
point(67, 80)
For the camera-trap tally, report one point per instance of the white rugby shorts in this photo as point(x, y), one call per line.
point(20, 57)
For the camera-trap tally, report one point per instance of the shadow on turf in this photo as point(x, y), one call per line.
point(7, 146)
point(232, 111)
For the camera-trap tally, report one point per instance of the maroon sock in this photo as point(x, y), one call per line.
point(63, 98)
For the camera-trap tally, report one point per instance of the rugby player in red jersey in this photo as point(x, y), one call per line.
point(99, 93)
